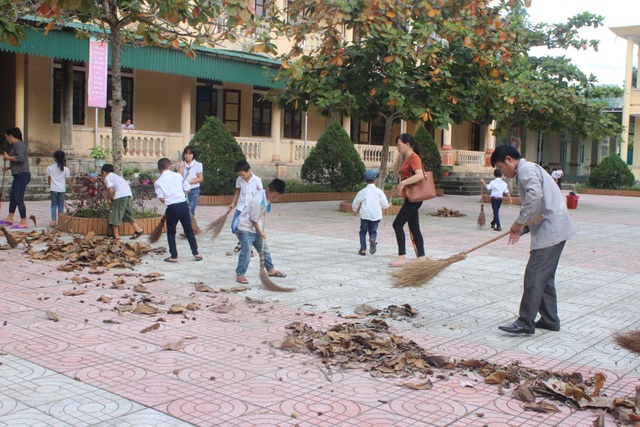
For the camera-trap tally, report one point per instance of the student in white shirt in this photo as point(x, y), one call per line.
point(170, 189)
point(498, 189)
point(247, 185)
point(58, 176)
point(192, 172)
point(369, 201)
point(119, 195)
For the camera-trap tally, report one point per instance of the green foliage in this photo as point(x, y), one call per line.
point(612, 173)
point(334, 161)
point(431, 158)
point(98, 153)
point(218, 151)
point(127, 173)
point(396, 201)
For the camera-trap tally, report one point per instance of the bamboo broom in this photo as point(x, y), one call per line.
point(157, 232)
point(216, 226)
point(4, 174)
point(194, 225)
point(421, 271)
point(264, 276)
point(10, 239)
point(629, 340)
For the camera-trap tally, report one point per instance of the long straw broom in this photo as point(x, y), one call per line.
point(157, 232)
point(421, 271)
point(10, 239)
point(264, 276)
point(216, 226)
point(4, 174)
point(629, 340)
point(194, 225)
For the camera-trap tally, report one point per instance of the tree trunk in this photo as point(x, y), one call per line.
point(66, 108)
point(116, 102)
point(386, 143)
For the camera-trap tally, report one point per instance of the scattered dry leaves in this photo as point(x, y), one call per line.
point(444, 212)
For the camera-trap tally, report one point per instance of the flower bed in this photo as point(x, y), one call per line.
point(604, 192)
point(505, 201)
point(101, 225)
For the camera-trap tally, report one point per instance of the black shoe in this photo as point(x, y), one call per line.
point(498, 228)
point(542, 325)
point(362, 252)
point(372, 246)
point(493, 224)
point(514, 328)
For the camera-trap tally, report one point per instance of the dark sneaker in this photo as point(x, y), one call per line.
point(362, 252)
point(372, 246)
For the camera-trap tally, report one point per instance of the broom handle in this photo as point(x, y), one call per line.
point(4, 173)
point(500, 236)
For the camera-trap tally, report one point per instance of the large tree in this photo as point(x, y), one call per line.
point(417, 60)
point(178, 24)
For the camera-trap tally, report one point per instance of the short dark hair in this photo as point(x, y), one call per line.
point(502, 152)
point(497, 173)
point(14, 132)
point(242, 166)
point(190, 149)
point(277, 185)
point(164, 164)
point(108, 167)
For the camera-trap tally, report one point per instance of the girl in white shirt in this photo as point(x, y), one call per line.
point(58, 176)
point(192, 172)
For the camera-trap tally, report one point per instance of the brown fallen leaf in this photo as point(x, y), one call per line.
point(424, 385)
point(53, 316)
point(600, 379)
point(74, 292)
point(105, 298)
point(154, 275)
point(234, 289)
point(80, 280)
point(67, 267)
point(599, 422)
point(524, 393)
point(175, 346)
point(201, 287)
point(541, 406)
point(496, 377)
point(177, 309)
point(143, 308)
point(141, 289)
point(193, 306)
point(153, 327)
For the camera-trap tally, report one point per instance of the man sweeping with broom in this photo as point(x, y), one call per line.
point(539, 194)
point(251, 230)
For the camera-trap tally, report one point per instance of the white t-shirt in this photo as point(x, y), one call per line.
point(191, 171)
point(373, 200)
point(247, 190)
point(557, 174)
point(497, 187)
point(58, 178)
point(171, 187)
point(255, 211)
point(119, 185)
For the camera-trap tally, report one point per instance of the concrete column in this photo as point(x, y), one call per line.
point(276, 129)
point(20, 100)
point(489, 143)
point(447, 150)
point(185, 111)
point(626, 101)
point(636, 148)
point(346, 125)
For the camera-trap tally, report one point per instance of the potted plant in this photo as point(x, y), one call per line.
point(99, 155)
point(145, 177)
point(446, 170)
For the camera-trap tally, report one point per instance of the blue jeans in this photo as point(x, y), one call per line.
point(180, 212)
point(57, 204)
point(246, 240)
point(192, 199)
point(16, 196)
point(368, 226)
point(235, 221)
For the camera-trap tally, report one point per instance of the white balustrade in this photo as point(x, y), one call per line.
point(471, 158)
point(143, 146)
point(252, 150)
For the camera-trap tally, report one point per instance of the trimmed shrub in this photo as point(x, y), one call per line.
point(430, 154)
point(612, 173)
point(334, 161)
point(218, 151)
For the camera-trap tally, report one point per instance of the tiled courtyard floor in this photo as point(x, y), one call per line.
point(82, 371)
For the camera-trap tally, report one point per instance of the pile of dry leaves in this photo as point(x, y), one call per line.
point(372, 346)
point(447, 213)
point(86, 251)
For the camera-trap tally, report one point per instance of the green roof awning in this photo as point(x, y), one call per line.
point(212, 64)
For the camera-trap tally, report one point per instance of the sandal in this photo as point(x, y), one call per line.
point(197, 257)
point(276, 274)
point(243, 280)
point(238, 248)
point(135, 235)
point(171, 259)
point(398, 263)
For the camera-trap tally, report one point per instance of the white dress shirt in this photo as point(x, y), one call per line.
point(171, 187)
point(373, 201)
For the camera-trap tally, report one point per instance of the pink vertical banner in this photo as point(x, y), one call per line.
point(98, 57)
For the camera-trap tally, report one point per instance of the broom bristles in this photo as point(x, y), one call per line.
point(33, 218)
point(157, 232)
point(194, 225)
point(266, 281)
point(216, 226)
point(629, 340)
point(10, 239)
point(422, 270)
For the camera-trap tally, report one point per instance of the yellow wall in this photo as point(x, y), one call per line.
point(157, 102)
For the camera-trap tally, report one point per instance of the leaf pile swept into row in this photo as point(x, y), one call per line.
point(372, 346)
point(445, 212)
point(87, 251)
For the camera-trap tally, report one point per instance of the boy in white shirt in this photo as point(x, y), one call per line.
point(171, 189)
point(498, 188)
point(58, 177)
point(247, 185)
point(369, 201)
point(119, 195)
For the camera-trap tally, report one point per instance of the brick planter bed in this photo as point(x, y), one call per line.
point(101, 225)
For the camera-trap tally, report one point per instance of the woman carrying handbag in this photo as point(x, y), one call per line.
point(411, 172)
